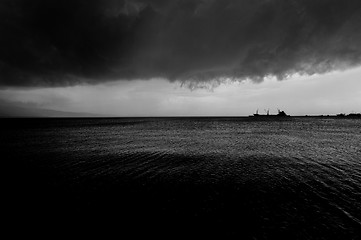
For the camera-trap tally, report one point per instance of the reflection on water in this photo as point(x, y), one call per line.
point(298, 178)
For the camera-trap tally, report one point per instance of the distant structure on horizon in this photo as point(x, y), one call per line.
point(280, 114)
point(351, 115)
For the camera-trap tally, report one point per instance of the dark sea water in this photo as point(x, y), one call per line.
point(298, 178)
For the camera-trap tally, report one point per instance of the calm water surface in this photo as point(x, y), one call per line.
point(298, 178)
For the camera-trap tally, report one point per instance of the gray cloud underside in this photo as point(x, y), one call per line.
point(59, 42)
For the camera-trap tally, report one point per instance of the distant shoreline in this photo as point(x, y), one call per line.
point(169, 117)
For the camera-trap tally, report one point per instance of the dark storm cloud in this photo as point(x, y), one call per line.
point(60, 42)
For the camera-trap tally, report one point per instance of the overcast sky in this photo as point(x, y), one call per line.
point(181, 57)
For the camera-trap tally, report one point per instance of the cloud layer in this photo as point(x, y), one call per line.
point(60, 42)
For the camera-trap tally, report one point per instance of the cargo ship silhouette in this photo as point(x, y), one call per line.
point(268, 115)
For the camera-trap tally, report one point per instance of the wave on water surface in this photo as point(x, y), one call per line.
point(299, 178)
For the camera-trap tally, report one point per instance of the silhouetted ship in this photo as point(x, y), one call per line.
point(280, 114)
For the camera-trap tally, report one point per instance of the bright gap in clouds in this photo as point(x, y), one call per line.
point(300, 95)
